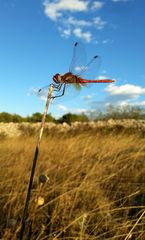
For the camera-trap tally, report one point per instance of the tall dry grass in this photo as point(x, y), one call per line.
point(96, 187)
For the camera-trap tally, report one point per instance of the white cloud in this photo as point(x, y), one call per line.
point(128, 90)
point(96, 22)
point(97, 5)
point(99, 23)
point(65, 32)
point(88, 97)
point(79, 110)
point(51, 11)
point(65, 109)
point(79, 23)
point(62, 107)
point(81, 68)
point(62, 12)
point(54, 9)
point(120, 0)
point(139, 103)
point(102, 77)
point(120, 96)
point(87, 36)
point(106, 41)
point(124, 95)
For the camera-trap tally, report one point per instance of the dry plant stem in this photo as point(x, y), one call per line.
point(129, 234)
point(25, 212)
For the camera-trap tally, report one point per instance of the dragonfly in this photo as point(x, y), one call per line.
point(76, 74)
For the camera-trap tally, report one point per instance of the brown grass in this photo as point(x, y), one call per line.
point(96, 187)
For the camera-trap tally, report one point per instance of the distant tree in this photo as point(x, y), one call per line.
point(137, 113)
point(49, 118)
point(17, 118)
point(123, 112)
point(5, 117)
point(130, 112)
point(82, 118)
point(69, 117)
point(37, 117)
point(114, 112)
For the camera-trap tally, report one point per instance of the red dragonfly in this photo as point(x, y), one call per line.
point(74, 77)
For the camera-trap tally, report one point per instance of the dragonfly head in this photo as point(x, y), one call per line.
point(57, 78)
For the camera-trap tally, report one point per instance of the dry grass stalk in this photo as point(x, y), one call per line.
point(90, 174)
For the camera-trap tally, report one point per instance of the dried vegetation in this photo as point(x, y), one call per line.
point(94, 186)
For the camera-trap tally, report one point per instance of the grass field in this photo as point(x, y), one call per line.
point(95, 190)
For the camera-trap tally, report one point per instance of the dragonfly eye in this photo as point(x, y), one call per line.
point(57, 78)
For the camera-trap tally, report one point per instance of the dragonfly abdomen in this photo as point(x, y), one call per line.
point(96, 81)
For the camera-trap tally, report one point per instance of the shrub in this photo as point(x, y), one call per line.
point(69, 117)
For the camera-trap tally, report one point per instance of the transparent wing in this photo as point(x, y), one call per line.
point(78, 62)
point(69, 93)
point(91, 69)
point(42, 93)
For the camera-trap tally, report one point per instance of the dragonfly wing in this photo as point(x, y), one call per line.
point(77, 86)
point(43, 92)
point(91, 68)
point(70, 92)
point(78, 62)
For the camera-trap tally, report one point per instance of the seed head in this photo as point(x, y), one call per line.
point(40, 201)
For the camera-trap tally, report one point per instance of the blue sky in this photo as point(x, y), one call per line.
point(36, 41)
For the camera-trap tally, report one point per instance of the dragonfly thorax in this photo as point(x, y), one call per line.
point(57, 78)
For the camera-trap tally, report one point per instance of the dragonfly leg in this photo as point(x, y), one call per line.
point(62, 92)
point(57, 88)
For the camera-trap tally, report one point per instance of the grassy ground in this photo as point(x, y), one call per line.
point(96, 186)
